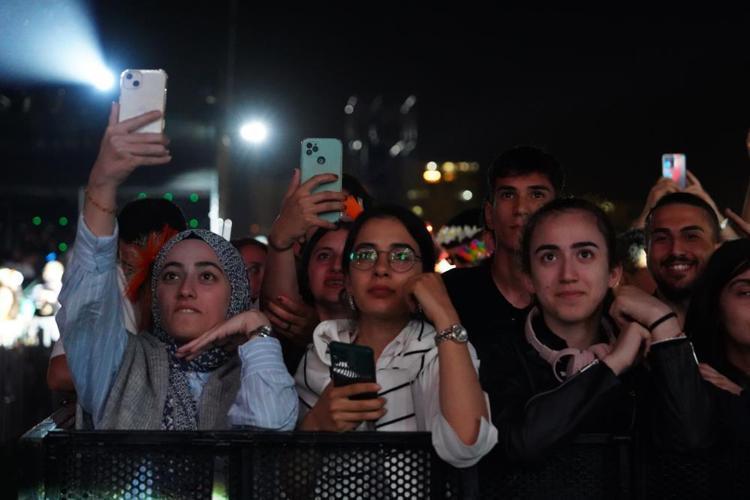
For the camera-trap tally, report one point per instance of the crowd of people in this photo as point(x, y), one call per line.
point(551, 325)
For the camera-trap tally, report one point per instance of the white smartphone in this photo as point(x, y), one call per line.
point(674, 166)
point(141, 91)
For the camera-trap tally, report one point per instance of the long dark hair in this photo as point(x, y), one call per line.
point(302, 277)
point(702, 324)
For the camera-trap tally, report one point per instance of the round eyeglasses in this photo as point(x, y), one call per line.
point(400, 259)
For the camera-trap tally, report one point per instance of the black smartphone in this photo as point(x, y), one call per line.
point(352, 364)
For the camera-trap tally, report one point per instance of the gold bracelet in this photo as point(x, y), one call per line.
point(111, 211)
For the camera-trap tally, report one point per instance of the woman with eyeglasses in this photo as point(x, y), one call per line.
point(426, 371)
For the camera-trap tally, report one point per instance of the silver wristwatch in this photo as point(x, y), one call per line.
point(261, 331)
point(456, 333)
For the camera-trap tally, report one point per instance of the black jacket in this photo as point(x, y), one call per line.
point(732, 412)
point(535, 414)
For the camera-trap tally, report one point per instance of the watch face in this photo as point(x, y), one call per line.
point(461, 334)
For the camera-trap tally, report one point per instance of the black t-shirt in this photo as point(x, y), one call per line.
point(484, 311)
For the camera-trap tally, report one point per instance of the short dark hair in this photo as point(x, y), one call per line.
point(562, 205)
point(247, 241)
point(139, 218)
point(683, 198)
point(413, 224)
point(302, 276)
point(525, 160)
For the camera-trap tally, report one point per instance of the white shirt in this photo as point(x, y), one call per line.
point(408, 372)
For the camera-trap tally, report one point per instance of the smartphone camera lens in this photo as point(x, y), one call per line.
point(129, 76)
point(309, 145)
point(321, 160)
point(315, 149)
point(136, 83)
point(309, 153)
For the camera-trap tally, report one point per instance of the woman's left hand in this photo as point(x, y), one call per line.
point(633, 304)
point(230, 334)
point(428, 291)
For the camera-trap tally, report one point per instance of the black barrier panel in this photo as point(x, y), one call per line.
point(236, 464)
point(117, 472)
point(594, 466)
point(720, 473)
point(302, 465)
point(358, 465)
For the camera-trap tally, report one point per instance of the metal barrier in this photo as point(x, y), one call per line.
point(231, 464)
point(54, 463)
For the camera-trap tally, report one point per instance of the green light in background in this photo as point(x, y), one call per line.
point(141, 195)
point(193, 223)
point(37, 221)
point(168, 196)
point(63, 247)
point(194, 197)
point(63, 221)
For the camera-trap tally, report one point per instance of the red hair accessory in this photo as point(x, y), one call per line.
point(146, 255)
point(352, 207)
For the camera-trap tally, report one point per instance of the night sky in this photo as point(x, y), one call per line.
point(606, 93)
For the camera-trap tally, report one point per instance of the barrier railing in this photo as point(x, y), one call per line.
point(55, 463)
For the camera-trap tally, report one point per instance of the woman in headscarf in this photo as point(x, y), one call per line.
point(199, 285)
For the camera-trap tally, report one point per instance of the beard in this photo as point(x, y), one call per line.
point(673, 292)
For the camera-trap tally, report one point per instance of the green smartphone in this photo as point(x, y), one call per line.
point(322, 156)
point(352, 364)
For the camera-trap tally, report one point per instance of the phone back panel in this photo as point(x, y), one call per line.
point(322, 156)
point(141, 91)
point(352, 364)
point(674, 166)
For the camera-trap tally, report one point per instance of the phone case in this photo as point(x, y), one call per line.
point(352, 364)
point(322, 156)
point(674, 166)
point(143, 90)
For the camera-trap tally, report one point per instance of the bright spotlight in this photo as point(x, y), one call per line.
point(254, 132)
point(102, 79)
point(51, 42)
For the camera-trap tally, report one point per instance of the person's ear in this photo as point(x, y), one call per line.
point(615, 275)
